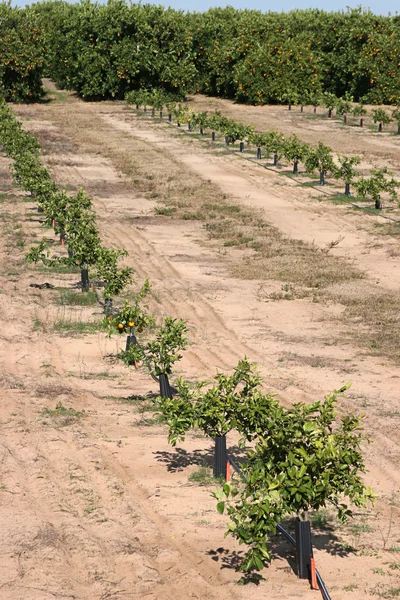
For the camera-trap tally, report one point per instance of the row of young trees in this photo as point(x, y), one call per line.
point(302, 457)
point(103, 51)
point(294, 150)
point(73, 219)
point(71, 216)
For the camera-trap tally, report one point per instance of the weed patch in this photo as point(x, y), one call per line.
point(73, 298)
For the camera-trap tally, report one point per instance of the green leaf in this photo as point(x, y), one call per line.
point(221, 507)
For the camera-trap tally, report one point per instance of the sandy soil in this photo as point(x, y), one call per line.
point(98, 506)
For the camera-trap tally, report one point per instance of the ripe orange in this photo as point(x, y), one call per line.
point(131, 324)
point(120, 326)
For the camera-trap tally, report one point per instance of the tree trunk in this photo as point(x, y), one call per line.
point(108, 307)
point(296, 167)
point(259, 153)
point(241, 147)
point(85, 280)
point(189, 127)
point(165, 388)
point(213, 136)
point(220, 457)
point(161, 115)
point(137, 106)
point(153, 112)
point(201, 131)
point(275, 159)
point(227, 140)
point(315, 110)
point(301, 108)
point(321, 178)
point(304, 551)
point(347, 190)
point(170, 118)
point(130, 341)
point(378, 204)
point(345, 119)
point(380, 128)
point(361, 122)
point(330, 113)
point(290, 106)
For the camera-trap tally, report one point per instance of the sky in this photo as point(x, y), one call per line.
point(382, 7)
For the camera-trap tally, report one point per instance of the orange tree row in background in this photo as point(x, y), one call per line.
point(250, 56)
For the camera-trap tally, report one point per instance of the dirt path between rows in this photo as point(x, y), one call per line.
point(100, 506)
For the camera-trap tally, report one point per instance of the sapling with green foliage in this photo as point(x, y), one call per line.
point(346, 171)
point(131, 319)
point(316, 99)
point(372, 187)
point(304, 99)
point(116, 279)
point(358, 110)
point(320, 158)
point(329, 100)
point(232, 402)
point(273, 142)
point(235, 131)
point(344, 104)
point(307, 458)
point(133, 315)
point(381, 117)
point(162, 351)
point(295, 150)
point(200, 121)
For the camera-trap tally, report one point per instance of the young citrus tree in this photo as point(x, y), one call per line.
point(346, 170)
point(234, 131)
point(200, 121)
point(372, 187)
point(343, 105)
point(232, 402)
point(273, 141)
point(161, 352)
point(131, 318)
point(381, 117)
point(107, 268)
point(304, 460)
point(132, 315)
point(358, 110)
point(329, 101)
point(295, 150)
point(320, 159)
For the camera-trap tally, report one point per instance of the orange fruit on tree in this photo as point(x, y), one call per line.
point(120, 326)
point(131, 324)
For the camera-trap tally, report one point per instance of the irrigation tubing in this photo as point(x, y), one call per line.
point(290, 538)
point(313, 187)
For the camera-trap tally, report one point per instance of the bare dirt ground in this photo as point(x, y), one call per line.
point(94, 503)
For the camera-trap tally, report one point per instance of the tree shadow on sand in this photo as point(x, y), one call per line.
point(282, 550)
point(179, 459)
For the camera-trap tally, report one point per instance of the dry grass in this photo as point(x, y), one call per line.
point(182, 194)
point(372, 315)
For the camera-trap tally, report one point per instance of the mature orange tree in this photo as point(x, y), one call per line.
point(21, 55)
